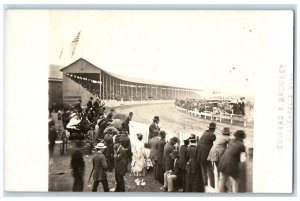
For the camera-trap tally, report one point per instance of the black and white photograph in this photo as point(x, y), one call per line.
point(167, 101)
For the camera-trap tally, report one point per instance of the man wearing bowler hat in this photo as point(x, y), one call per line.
point(154, 127)
point(204, 146)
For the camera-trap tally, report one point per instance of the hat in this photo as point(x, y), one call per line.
point(212, 125)
point(174, 154)
point(73, 115)
point(162, 134)
point(100, 146)
point(192, 137)
point(156, 118)
point(226, 131)
point(239, 134)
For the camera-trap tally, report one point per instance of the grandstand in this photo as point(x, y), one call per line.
point(82, 80)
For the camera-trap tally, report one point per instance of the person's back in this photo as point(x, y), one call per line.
point(78, 168)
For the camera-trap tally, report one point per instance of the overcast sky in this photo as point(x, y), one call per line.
point(200, 49)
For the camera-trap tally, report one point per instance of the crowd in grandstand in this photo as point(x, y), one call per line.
point(236, 107)
point(182, 168)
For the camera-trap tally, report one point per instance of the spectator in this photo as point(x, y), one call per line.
point(52, 136)
point(153, 143)
point(172, 177)
point(194, 180)
point(78, 167)
point(125, 123)
point(120, 165)
point(154, 127)
point(160, 153)
point(89, 104)
point(109, 151)
point(204, 146)
point(183, 155)
point(169, 147)
point(219, 148)
point(100, 167)
point(149, 164)
point(138, 165)
point(229, 162)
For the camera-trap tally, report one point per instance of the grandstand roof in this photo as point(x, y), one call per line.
point(132, 79)
point(54, 72)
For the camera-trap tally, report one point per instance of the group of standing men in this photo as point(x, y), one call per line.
point(191, 168)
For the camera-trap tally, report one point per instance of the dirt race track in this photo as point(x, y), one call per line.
point(174, 120)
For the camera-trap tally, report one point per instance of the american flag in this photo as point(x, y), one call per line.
point(74, 44)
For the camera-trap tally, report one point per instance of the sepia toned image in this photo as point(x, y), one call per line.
point(175, 102)
point(120, 121)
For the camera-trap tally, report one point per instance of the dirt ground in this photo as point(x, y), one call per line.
point(60, 176)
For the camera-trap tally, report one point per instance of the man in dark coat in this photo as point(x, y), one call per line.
point(125, 123)
point(160, 154)
point(229, 162)
point(204, 146)
point(154, 127)
point(168, 149)
point(120, 165)
point(125, 142)
point(183, 155)
point(78, 107)
point(194, 180)
point(52, 136)
point(153, 143)
point(100, 166)
point(89, 104)
point(78, 167)
point(109, 151)
point(96, 106)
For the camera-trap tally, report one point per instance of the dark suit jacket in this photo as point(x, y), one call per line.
point(160, 152)
point(169, 162)
point(229, 162)
point(100, 166)
point(205, 144)
point(153, 127)
point(183, 154)
point(120, 159)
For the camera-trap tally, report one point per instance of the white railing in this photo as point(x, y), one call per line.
point(216, 117)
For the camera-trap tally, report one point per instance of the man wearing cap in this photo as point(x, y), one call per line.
point(120, 165)
point(194, 180)
point(204, 146)
point(219, 148)
point(229, 162)
point(100, 167)
point(160, 154)
point(172, 177)
point(153, 127)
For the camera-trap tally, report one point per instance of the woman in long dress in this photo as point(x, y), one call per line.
point(138, 164)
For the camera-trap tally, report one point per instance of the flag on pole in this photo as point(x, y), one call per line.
point(74, 44)
point(61, 53)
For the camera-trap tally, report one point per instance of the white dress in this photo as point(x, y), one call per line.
point(138, 163)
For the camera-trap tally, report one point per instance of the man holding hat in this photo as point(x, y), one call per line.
point(204, 146)
point(100, 167)
point(154, 127)
point(229, 162)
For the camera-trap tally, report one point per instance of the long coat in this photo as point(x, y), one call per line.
point(205, 144)
point(229, 162)
point(153, 143)
point(169, 162)
point(183, 154)
point(160, 152)
point(152, 128)
point(218, 148)
point(120, 159)
point(194, 180)
point(100, 166)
